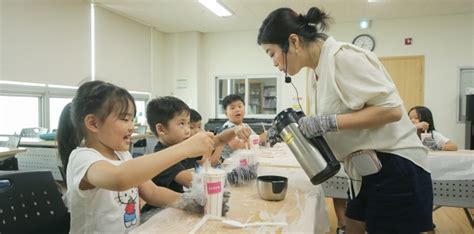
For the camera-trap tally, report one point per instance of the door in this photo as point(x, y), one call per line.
point(407, 73)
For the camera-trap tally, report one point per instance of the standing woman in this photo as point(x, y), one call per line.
point(358, 108)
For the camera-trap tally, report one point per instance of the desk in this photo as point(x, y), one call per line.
point(43, 154)
point(37, 143)
point(6, 153)
point(303, 208)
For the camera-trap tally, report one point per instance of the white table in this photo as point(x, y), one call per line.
point(304, 207)
point(37, 142)
point(452, 173)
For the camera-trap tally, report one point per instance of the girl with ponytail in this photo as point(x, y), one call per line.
point(357, 108)
point(103, 180)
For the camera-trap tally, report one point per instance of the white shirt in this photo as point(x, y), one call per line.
point(98, 210)
point(351, 78)
point(438, 138)
point(227, 151)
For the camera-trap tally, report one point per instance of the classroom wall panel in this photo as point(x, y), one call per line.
point(123, 50)
point(46, 41)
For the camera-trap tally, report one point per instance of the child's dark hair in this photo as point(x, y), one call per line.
point(94, 97)
point(163, 109)
point(282, 22)
point(231, 98)
point(195, 116)
point(424, 114)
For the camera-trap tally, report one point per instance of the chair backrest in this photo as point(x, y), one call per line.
point(33, 132)
point(141, 129)
point(11, 141)
point(31, 203)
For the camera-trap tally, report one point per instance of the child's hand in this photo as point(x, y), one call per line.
point(422, 125)
point(201, 143)
point(273, 137)
point(242, 132)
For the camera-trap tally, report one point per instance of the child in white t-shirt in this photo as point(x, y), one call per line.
point(234, 109)
point(103, 180)
point(422, 118)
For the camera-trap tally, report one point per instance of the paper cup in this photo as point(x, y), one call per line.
point(214, 189)
point(254, 141)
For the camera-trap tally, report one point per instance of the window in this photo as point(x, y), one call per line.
point(259, 93)
point(466, 86)
point(56, 106)
point(19, 112)
point(26, 105)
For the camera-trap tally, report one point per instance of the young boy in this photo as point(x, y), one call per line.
point(169, 119)
point(195, 121)
point(196, 126)
point(234, 109)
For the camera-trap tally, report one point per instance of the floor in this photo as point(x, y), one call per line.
point(447, 219)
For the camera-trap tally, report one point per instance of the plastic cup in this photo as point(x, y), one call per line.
point(244, 158)
point(214, 189)
point(254, 141)
point(424, 135)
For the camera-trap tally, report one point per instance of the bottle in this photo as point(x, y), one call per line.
point(313, 154)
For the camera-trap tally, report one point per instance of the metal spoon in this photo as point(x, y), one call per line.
point(238, 224)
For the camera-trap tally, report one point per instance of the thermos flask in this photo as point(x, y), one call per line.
point(313, 154)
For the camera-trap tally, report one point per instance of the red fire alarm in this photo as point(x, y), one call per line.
point(408, 41)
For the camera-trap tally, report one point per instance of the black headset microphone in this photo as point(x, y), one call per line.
point(285, 48)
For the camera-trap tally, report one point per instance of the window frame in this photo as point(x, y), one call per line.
point(461, 94)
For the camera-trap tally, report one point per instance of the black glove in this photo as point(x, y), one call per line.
point(272, 136)
point(242, 174)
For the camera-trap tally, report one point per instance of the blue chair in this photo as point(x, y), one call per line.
point(31, 203)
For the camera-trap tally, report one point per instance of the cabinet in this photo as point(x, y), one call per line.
point(255, 98)
point(259, 93)
point(269, 99)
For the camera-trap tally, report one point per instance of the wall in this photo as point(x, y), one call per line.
point(123, 51)
point(37, 47)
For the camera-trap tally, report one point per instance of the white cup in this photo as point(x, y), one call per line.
point(254, 141)
point(213, 181)
point(424, 135)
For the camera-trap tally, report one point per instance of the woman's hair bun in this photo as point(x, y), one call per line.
point(317, 16)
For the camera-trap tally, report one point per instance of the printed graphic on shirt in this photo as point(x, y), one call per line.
point(128, 199)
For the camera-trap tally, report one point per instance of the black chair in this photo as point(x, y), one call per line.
point(139, 147)
point(30, 202)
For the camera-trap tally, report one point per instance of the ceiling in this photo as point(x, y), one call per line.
point(171, 16)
